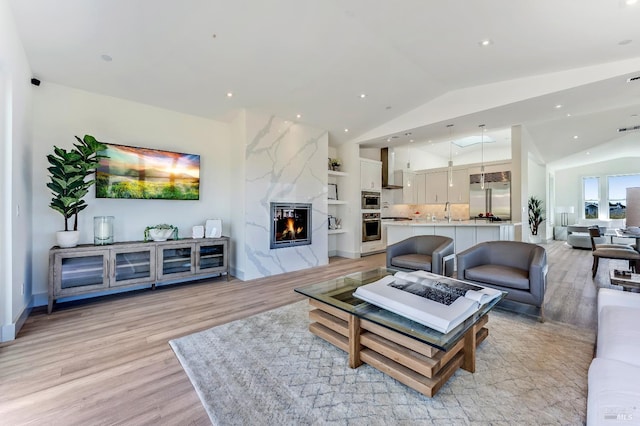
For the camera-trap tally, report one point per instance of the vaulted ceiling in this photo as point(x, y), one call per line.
point(420, 64)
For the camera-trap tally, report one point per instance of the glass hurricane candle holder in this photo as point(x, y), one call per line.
point(102, 230)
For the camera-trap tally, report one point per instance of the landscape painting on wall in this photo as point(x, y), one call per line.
point(132, 172)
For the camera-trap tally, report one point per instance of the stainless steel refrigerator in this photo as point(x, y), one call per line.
point(494, 198)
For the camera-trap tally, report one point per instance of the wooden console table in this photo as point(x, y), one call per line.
point(88, 269)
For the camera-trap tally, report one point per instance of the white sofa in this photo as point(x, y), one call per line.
point(614, 374)
point(578, 236)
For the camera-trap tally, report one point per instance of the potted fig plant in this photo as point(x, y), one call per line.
point(68, 171)
point(536, 216)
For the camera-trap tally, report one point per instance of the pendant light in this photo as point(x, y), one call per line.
point(450, 167)
point(482, 158)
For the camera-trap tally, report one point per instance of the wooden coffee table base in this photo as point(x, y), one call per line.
point(415, 364)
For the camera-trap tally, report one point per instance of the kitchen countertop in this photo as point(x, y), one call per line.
point(425, 222)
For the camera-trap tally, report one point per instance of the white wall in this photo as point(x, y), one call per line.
point(536, 183)
point(568, 182)
point(519, 190)
point(237, 174)
point(15, 175)
point(61, 112)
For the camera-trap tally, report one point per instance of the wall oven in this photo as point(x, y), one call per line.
point(370, 200)
point(371, 227)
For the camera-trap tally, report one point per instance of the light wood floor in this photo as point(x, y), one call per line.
point(107, 361)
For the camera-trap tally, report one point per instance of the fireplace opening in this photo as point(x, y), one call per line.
point(290, 224)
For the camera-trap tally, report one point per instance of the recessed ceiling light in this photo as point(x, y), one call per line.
point(558, 106)
point(485, 42)
point(568, 115)
point(407, 134)
point(575, 137)
point(410, 140)
point(298, 115)
point(388, 139)
point(346, 130)
point(588, 153)
point(363, 95)
point(631, 2)
point(229, 95)
point(106, 58)
point(388, 107)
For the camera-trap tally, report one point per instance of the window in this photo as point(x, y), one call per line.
point(591, 196)
point(617, 193)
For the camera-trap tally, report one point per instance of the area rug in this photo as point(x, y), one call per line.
point(268, 369)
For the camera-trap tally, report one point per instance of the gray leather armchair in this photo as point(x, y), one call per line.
point(422, 252)
point(516, 267)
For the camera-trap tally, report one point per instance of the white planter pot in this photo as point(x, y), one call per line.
point(535, 239)
point(66, 239)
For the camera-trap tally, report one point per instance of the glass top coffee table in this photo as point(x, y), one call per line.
point(412, 353)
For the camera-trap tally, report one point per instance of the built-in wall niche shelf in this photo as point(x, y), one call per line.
point(336, 202)
point(337, 231)
point(335, 173)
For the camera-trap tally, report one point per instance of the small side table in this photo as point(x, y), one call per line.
point(627, 282)
point(560, 233)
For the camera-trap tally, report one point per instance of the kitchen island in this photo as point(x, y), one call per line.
point(465, 233)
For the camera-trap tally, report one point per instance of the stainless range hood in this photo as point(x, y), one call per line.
point(387, 171)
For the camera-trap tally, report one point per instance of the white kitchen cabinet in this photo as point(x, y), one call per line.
point(421, 188)
point(408, 188)
point(465, 238)
point(436, 187)
point(459, 192)
point(370, 175)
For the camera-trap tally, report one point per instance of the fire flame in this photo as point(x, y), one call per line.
point(290, 231)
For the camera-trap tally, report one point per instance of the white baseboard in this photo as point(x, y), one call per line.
point(7, 332)
point(345, 254)
point(10, 331)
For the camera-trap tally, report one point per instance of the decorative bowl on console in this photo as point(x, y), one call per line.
point(160, 232)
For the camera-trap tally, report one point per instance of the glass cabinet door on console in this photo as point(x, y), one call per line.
point(210, 256)
point(175, 260)
point(133, 265)
point(77, 273)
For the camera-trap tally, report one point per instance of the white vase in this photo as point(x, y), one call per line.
point(160, 234)
point(66, 239)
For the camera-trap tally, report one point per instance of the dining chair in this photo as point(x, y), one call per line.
point(608, 245)
point(610, 251)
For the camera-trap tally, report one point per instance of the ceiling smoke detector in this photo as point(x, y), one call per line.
point(628, 129)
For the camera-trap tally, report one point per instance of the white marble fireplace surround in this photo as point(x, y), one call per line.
point(284, 162)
